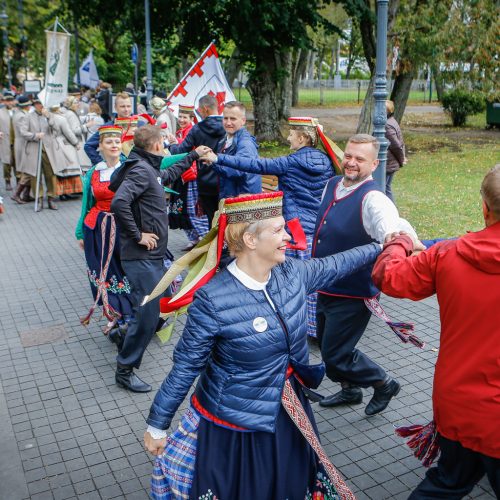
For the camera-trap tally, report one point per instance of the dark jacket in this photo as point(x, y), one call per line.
point(396, 149)
point(140, 205)
point(235, 182)
point(302, 176)
point(209, 132)
point(242, 372)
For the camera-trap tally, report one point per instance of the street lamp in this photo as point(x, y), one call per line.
point(149, 70)
point(380, 92)
point(4, 18)
point(23, 37)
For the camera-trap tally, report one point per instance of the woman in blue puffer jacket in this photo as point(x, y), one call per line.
point(302, 176)
point(245, 337)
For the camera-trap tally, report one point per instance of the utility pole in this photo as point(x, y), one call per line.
point(23, 37)
point(380, 92)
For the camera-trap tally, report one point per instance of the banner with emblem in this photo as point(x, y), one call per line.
point(56, 69)
point(204, 77)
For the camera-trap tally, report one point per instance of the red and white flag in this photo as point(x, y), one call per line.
point(204, 77)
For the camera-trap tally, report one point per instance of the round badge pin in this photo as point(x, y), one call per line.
point(260, 324)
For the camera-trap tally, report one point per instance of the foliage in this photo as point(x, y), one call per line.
point(461, 103)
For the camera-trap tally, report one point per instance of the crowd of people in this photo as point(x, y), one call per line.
point(265, 270)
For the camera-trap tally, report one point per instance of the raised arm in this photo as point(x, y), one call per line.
point(91, 148)
point(318, 273)
point(263, 166)
point(190, 357)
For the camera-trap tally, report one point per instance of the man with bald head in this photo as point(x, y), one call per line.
point(465, 275)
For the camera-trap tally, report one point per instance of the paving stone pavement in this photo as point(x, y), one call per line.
point(68, 432)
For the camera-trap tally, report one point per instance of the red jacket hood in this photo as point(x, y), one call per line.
point(482, 249)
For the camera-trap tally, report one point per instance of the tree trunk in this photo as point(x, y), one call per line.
point(285, 88)
point(299, 64)
point(400, 92)
point(233, 67)
point(438, 81)
point(311, 60)
point(263, 88)
point(365, 123)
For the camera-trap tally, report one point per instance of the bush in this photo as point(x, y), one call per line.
point(461, 103)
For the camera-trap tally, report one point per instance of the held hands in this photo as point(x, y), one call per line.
point(80, 244)
point(171, 138)
point(149, 240)
point(154, 446)
point(203, 150)
point(209, 156)
point(418, 246)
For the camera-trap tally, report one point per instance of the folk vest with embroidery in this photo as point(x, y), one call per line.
point(339, 227)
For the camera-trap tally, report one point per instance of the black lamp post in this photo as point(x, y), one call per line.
point(149, 69)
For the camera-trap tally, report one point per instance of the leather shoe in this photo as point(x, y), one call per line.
point(351, 395)
point(126, 378)
point(52, 205)
point(382, 395)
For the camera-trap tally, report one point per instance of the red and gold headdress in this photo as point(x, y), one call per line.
point(203, 260)
point(315, 130)
point(110, 130)
point(186, 108)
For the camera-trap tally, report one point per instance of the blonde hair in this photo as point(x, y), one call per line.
point(490, 190)
point(95, 108)
point(122, 95)
point(234, 235)
point(365, 139)
point(389, 107)
point(307, 132)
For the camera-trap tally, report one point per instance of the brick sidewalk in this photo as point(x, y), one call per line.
point(77, 435)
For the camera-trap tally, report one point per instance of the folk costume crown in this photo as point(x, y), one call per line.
point(202, 261)
point(314, 130)
point(186, 108)
point(110, 130)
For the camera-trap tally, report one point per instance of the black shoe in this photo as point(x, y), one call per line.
point(52, 205)
point(347, 396)
point(382, 395)
point(126, 378)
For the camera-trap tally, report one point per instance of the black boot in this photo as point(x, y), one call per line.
point(117, 335)
point(51, 203)
point(349, 395)
point(382, 395)
point(126, 378)
point(8, 185)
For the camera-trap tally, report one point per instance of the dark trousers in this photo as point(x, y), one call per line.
point(143, 275)
point(210, 205)
point(388, 186)
point(458, 470)
point(341, 323)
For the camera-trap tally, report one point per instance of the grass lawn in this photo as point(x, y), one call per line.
point(331, 97)
point(438, 190)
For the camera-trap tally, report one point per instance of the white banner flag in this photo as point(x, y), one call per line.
point(204, 77)
point(88, 73)
point(56, 69)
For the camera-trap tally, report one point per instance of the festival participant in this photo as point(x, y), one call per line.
point(209, 132)
point(66, 162)
point(302, 176)
point(353, 212)
point(183, 205)
point(92, 120)
point(245, 337)
point(123, 106)
point(240, 144)
point(72, 105)
point(22, 193)
point(163, 116)
point(141, 212)
point(465, 275)
point(7, 154)
point(97, 235)
point(34, 128)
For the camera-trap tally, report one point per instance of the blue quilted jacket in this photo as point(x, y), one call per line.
point(235, 182)
point(242, 372)
point(302, 177)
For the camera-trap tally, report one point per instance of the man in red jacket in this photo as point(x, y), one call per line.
point(465, 275)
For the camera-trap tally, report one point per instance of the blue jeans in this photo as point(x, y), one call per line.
point(388, 186)
point(143, 275)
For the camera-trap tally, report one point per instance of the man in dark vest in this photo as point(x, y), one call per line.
point(353, 212)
